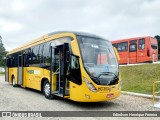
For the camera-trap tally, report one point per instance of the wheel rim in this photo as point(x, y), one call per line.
point(47, 89)
point(13, 82)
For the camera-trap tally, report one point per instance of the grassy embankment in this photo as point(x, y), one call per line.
point(2, 73)
point(139, 78)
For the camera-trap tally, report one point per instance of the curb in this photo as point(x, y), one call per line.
point(139, 94)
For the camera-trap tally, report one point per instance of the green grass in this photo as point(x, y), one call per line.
point(139, 78)
point(2, 73)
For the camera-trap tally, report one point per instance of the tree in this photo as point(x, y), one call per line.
point(158, 40)
point(2, 53)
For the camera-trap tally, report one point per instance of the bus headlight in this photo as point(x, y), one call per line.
point(90, 85)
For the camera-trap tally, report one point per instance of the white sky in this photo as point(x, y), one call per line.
point(24, 20)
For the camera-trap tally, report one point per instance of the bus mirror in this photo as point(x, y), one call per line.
point(117, 55)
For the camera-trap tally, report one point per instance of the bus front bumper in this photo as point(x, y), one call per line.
point(97, 96)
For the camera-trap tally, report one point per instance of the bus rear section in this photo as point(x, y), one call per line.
point(76, 66)
point(137, 50)
point(153, 51)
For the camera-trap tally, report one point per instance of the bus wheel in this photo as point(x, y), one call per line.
point(13, 82)
point(46, 90)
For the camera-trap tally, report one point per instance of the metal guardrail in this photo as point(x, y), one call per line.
point(154, 92)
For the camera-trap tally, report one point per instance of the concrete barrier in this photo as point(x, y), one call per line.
point(139, 94)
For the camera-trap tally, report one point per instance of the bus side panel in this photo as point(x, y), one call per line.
point(153, 52)
point(13, 73)
point(148, 54)
point(77, 92)
point(148, 58)
point(148, 48)
point(26, 81)
point(33, 77)
point(142, 53)
point(123, 57)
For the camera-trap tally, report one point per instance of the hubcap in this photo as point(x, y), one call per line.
point(13, 82)
point(47, 89)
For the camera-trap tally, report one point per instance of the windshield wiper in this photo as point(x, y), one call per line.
point(95, 79)
point(108, 73)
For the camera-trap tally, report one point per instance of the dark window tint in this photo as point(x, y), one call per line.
point(121, 47)
point(35, 55)
point(56, 60)
point(141, 44)
point(19, 61)
point(133, 41)
point(154, 46)
point(40, 55)
point(133, 47)
point(29, 57)
point(25, 60)
point(46, 54)
point(75, 70)
point(115, 45)
point(9, 62)
point(15, 60)
point(12, 60)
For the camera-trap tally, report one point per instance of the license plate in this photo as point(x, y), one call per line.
point(110, 95)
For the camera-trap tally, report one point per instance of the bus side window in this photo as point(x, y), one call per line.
point(46, 54)
point(29, 57)
point(56, 59)
point(141, 44)
point(133, 47)
point(75, 70)
point(14, 60)
point(36, 61)
point(41, 54)
point(74, 63)
point(25, 61)
point(9, 62)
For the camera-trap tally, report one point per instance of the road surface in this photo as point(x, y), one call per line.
point(20, 99)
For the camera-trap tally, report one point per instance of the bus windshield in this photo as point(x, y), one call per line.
point(98, 56)
point(154, 43)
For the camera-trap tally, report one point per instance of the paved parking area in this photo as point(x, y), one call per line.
point(20, 99)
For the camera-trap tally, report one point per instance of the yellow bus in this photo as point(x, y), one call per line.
point(74, 65)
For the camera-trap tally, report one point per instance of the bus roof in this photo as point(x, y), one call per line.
point(42, 39)
point(128, 39)
point(74, 32)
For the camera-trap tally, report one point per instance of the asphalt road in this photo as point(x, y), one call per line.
point(20, 99)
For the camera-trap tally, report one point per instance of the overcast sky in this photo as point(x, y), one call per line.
point(24, 20)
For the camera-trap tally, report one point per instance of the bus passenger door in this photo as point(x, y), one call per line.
point(133, 52)
point(20, 70)
point(60, 70)
point(55, 70)
point(141, 52)
point(7, 70)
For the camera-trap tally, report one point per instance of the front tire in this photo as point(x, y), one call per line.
point(46, 90)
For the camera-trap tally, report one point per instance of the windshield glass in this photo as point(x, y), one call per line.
point(154, 43)
point(98, 56)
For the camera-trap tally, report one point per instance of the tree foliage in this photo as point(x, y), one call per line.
point(2, 53)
